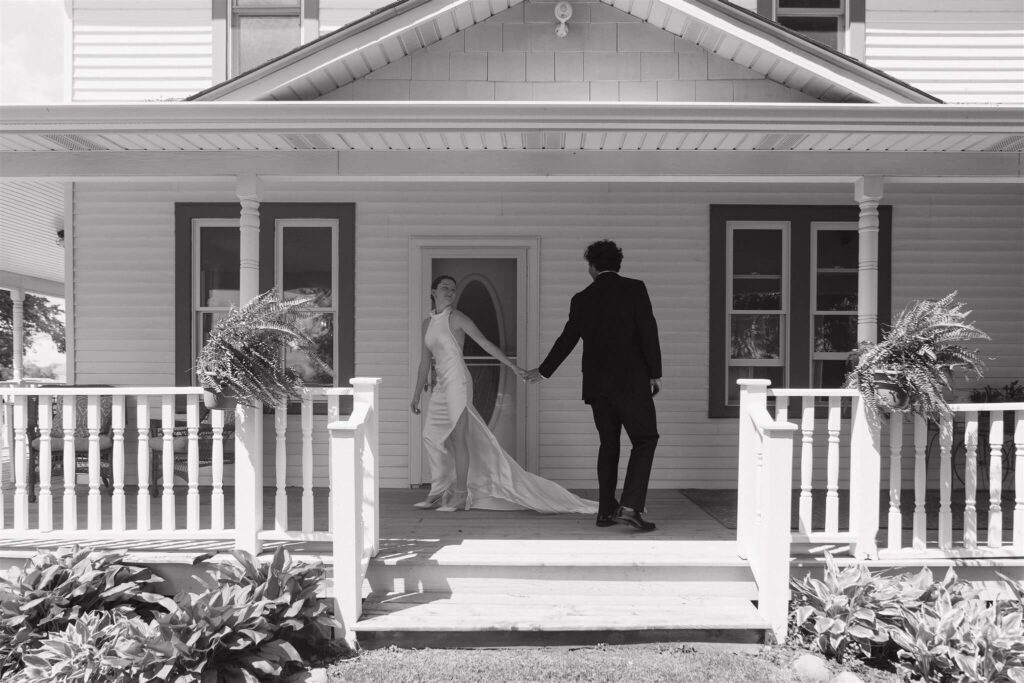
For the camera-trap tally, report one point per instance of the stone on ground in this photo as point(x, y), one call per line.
point(811, 668)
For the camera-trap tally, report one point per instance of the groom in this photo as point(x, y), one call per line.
point(621, 375)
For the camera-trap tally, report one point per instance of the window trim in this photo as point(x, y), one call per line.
point(851, 34)
point(185, 215)
point(799, 351)
point(223, 20)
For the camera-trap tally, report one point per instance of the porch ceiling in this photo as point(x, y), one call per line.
point(333, 138)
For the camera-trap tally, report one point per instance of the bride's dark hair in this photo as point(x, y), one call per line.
point(433, 285)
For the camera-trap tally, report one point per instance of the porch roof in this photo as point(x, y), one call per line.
point(391, 140)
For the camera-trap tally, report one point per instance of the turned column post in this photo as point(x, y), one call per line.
point(868, 192)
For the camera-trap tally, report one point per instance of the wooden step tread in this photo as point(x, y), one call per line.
point(497, 612)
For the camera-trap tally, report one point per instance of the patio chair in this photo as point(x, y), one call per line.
point(180, 445)
point(81, 440)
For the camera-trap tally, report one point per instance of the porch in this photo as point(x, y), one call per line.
point(399, 574)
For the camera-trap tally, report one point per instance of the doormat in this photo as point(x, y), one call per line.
point(721, 505)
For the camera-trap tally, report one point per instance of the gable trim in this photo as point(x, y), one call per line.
point(722, 29)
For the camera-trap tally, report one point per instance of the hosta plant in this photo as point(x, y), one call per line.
point(916, 359)
point(56, 588)
point(243, 359)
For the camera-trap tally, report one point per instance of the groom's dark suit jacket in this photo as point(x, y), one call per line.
point(621, 353)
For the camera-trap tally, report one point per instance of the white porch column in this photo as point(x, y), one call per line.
point(868, 192)
point(248, 421)
point(18, 360)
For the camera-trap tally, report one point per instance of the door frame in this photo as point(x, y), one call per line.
point(421, 250)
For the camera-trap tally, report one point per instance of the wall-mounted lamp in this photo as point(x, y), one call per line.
point(563, 12)
point(60, 237)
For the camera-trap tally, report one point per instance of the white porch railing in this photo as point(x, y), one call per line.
point(834, 433)
point(110, 425)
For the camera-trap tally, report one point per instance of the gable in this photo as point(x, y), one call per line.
point(608, 55)
point(719, 28)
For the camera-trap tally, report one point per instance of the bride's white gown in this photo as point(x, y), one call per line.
point(496, 481)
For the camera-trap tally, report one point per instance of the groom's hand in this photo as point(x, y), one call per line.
point(655, 386)
point(533, 376)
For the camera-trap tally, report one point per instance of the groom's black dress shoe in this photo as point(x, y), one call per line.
point(605, 520)
point(632, 518)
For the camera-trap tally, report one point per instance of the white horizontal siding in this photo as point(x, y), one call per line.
point(130, 51)
point(337, 13)
point(31, 212)
point(960, 52)
point(944, 237)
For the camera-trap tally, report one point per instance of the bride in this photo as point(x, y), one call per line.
point(468, 468)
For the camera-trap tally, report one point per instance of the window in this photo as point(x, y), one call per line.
point(306, 250)
point(784, 296)
point(252, 32)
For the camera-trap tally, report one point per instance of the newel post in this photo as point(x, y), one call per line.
point(346, 474)
point(366, 391)
point(775, 534)
point(865, 480)
point(753, 398)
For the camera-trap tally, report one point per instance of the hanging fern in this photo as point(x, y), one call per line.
point(243, 357)
point(918, 355)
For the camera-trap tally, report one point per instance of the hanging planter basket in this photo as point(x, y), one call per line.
point(217, 401)
point(890, 393)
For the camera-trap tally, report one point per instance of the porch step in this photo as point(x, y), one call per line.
point(437, 619)
point(535, 592)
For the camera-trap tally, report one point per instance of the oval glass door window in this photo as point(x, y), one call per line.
point(476, 298)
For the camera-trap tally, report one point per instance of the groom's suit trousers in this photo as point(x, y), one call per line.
point(635, 413)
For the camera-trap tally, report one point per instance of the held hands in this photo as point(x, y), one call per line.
point(533, 376)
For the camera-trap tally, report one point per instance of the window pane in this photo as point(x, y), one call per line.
point(753, 293)
point(775, 374)
point(829, 374)
point(757, 252)
point(835, 333)
point(824, 30)
point(205, 323)
point(837, 292)
point(267, 3)
point(755, 336)
point(319, 326)
point(218, 266)
point(837, 249)
point(306, 264)
point(260, 39)
point(810, 4)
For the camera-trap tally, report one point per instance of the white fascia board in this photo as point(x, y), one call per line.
point(178, 117)
point(860, 86)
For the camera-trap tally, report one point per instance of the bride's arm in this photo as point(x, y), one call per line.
point(421, 373)
point(463, 322)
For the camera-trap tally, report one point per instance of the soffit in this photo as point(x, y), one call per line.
point(493, 126)
point(723, 29)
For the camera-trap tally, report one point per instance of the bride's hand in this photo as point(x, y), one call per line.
point(520, 373)
point(415, 406)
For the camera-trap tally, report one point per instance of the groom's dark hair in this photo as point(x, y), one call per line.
point(604, 255)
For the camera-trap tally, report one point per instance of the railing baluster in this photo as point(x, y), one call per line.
point(806, 464)
point(167, 463)
point(333, 414)
point(192, 497)
point(971, 480)
point(895, 541)
point(117, 500)
point(281, 467)
point(307, 463)
point(142, 510)
point(1018, 477)
point(22, 462)
point(217, 497)
point(995, 479)
point(95, 500)
point(945, 482)
point(832, 491)
point(45, 422)
point(920, 483)
point(6, 443)
point(70, 469)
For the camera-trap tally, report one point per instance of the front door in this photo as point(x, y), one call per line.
point(491, 290)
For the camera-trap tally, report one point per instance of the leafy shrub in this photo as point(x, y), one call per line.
point(941, 631)
point(254, 620)
point(57, 588)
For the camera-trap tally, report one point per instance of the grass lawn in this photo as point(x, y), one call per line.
point(675, 662)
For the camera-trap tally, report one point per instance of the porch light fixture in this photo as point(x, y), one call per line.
point(563, 12)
